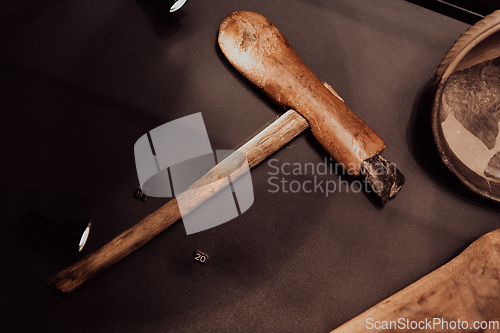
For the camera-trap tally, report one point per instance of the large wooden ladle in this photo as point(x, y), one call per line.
point(461, 296)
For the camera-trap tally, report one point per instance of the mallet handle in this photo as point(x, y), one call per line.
point(269, 140)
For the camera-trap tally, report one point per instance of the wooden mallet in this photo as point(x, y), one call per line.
point(258, 50)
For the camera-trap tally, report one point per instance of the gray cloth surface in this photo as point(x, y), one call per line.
point(83, 80)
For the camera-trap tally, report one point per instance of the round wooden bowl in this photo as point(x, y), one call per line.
point(466, 108)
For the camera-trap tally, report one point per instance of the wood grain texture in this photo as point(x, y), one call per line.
point(467, 289)
point(117, 249)
point(273, 137)
point(260, 52)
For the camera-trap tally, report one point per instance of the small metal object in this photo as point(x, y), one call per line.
point(170, 6)
point(64, 236)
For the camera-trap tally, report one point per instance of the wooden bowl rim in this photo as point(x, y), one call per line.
point(466, 42)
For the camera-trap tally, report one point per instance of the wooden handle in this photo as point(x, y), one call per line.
point(466, 289)
point(260, 52)
point(280, 132)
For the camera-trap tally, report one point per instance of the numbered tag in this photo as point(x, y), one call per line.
point(201, 257)
point(139, 195)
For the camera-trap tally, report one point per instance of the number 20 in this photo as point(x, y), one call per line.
point(200, 257)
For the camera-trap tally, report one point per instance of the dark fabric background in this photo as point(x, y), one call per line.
point(81, 81)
